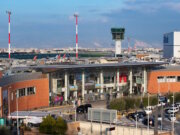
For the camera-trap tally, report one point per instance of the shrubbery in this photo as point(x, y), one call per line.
point(52, 126)
point(127, 103)
point(4, 131)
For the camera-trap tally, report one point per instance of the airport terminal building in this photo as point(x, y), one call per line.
point(40, 86)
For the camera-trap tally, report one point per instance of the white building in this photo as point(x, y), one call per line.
point(172, 45)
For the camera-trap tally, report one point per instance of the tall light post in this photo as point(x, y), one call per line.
point(17, 112)
point(173, 116)
point(76, 16)
point(9, 101)
point(9, 42)
point(148, 113)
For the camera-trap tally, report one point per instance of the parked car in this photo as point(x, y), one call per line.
point(140, 115)
point(151, 121)
point(148, 110)
point(162, 101)
point(87, 106)
point(83, 108)
point(33, 121)
point(173, 109)
point(172, 117)
point(159, 117)
point(178, 104)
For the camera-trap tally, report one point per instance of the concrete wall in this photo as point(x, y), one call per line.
point(119, 130)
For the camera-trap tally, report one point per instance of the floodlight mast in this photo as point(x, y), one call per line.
point(76, 17)
point(9, 42)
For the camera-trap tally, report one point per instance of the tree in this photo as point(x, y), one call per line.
point(4, 131)
point(48, 125)
point(61, 126)
point(118, 104)
point(52, 126)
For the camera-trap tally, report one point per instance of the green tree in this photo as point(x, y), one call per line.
point(153, 101)
point(130, 103)
point(145, 101)
point(4, 131)
point(52, 126)
point(118, 104)
point(48, 125)
point(61, 126)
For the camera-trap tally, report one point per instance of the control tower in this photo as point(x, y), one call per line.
point(118, 36)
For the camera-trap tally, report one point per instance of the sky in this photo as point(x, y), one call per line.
point(50, 23)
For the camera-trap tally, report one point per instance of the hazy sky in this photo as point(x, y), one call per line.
point(50, 23)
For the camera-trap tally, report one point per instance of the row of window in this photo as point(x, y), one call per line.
point(26, 91)
point(168, 79)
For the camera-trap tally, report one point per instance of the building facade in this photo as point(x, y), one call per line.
point(23, 92)
point(164, 80)
point(171, 45)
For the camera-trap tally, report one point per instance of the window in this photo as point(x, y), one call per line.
point(171, 79)
point(30, 90)
point(22, 92)
point(161, 79)
point(178, 78)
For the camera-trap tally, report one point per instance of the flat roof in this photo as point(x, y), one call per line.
point(52, 68)
point(10, 79)
point(169, 68)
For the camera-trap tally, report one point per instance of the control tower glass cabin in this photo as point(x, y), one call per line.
point(118, 36)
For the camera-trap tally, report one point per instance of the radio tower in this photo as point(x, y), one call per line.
point(76, 16)
point(9, 48)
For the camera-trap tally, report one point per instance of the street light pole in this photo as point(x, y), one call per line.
point(173, 116)
point(17, 113)
point(148, 113)
point(9, 102)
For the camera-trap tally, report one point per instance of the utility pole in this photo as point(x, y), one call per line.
point(9, 43)
point(148, 113)
point(76, 16)
point(173, 116)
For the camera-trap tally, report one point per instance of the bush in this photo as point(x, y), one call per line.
point(177, 97)
point(145, 101)
point(138, 102)
point(130, 103)
point(52, 126)
point(153, 101)
point(118, 104)
point(61, 126)
point(4, 131)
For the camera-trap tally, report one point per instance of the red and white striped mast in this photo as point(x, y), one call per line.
point(76, 16)
point(9, 48)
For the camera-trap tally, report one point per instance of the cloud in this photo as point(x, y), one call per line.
point(96, 44)
point(141, 44)
point(173, 5)
point(104, 20)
